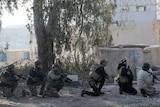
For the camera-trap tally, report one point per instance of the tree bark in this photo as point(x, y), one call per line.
point(44, 39)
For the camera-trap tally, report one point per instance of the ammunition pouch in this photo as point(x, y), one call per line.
point(11, 83)
point(121, 79)
point(95, 76)
point(92, 82)
point(36, 79)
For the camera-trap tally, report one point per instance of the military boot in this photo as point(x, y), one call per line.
point(41, 92)
point(120, 91)
point(82, 93)
point(143, 92)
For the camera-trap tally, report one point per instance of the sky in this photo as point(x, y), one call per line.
point(14, 34)
point(19, 18)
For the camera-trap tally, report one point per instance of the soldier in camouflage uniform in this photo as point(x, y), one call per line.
point(36, 78)
point(55, 82)
point(9, 81)
point(96, 80)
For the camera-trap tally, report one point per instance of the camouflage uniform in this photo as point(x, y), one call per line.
point(96, 80)
point(54, 84)
point(9, 82)
point(36, 78)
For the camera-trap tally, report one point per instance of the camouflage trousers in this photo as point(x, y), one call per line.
point(51, 92)
point(9, 89)
point(151, 91)
point(58, 85)
point(33, 88)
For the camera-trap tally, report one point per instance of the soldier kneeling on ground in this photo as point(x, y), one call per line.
point(55, 82)
point(125, 78)
point(96, 79)
point(9, 81)
point(36, 78)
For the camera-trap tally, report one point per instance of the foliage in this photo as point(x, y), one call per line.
point(8, 5)
point(80, 28)
point(84, 20)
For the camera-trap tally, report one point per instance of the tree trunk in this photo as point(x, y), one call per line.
point(44, 40)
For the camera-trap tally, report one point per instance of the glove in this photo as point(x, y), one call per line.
point(16, 79)
point(107, 77)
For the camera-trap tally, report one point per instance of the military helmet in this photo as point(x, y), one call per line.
point(146, 66)
point(103, 60)
point(55, 65)
point(11, 66)
point(122, 60)
point(37, 62)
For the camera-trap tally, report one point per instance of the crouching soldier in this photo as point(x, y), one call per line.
point(55, 82)
point(36, 78)
point(145, 81)
point(9, 81)
point(97, 79)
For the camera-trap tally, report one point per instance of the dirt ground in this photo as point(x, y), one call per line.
point(70, 97)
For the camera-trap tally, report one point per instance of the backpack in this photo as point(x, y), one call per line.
point(94, 67)
point(93, 74)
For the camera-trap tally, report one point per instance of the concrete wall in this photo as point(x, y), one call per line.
point(135, 57)
point(152, 55)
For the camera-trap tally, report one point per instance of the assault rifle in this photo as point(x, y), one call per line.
point(154, 77)
point(66, 79)
point(21, 76)
point(155, 68)
point(7, 65)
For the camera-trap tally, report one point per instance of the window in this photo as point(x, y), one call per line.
point(140, 8)
point(26, 55)
point(3, 57)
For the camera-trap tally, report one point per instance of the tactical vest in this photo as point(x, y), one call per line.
point(120, 78)
point(4, 80)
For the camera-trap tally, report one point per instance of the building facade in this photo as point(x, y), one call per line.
point(137, 22)
point(9, 57)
